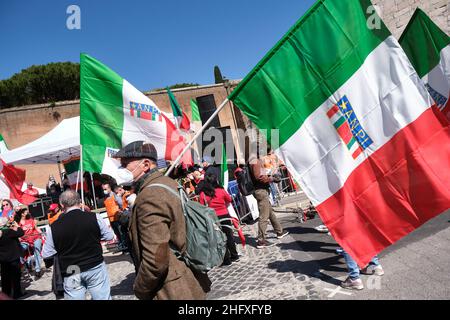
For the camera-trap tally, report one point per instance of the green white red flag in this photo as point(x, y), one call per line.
point(196, 123)
point(3, 145)
point(72, 167)
point(428, 49)
point(357, 127)
point(113, 114)
point(181, 119)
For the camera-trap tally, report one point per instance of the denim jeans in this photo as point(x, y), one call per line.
point(352, 266)
point(94, 280)
point(37, 253)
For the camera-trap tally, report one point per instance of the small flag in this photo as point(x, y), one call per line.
point(428, 49)
point(11, 181)
point(3, 146)
point(182, 121)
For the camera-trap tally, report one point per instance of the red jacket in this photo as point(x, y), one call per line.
point(219, 203)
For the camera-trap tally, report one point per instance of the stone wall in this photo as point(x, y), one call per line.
point(396, 13)
point(22, 125)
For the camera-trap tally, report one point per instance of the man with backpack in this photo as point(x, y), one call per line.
point(157, 229)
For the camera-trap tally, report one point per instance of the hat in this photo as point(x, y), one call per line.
point(138, 149)
point(53, 206)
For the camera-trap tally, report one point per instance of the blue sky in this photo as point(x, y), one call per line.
point(150, 43)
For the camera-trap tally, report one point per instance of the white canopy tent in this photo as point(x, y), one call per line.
point(60, 143)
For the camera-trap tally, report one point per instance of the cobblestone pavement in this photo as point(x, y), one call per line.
point(262, 274)
point(305, 265)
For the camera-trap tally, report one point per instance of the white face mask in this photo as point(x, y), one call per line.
point(106, 192)
point(125, 176)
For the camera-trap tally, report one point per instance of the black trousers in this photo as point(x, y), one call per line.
point(227, 228)
point(11, 278)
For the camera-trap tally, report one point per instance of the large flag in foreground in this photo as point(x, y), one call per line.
point(357, 127)
point(428, 48)
point(113, 113)
point(11, 181)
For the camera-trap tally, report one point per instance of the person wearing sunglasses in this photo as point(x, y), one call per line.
point(7, 209)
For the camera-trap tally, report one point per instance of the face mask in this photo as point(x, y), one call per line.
point(125, 176)
point(106, 192)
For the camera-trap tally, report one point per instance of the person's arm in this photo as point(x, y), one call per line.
point(15, 232)
point(227, 197)
point(106, 233)
point(202, 198)
point(258, 175)
point(153, 221)
point(48, 251)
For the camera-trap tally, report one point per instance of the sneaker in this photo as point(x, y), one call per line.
point(282, 235)
point(261, 244)
point(373, 270)
point(352, 284)
point(322, 228)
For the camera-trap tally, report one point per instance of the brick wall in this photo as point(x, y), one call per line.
point(396, 13)
point(22, 125)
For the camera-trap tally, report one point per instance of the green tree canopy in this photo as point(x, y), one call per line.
point(41, 84)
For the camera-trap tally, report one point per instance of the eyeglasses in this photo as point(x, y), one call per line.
point(5, 204)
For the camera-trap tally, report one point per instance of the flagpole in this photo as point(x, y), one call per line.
point(78, 180)
point(93, 191)
point(177, 160)
point(82, 177)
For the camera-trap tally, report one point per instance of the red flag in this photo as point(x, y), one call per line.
point(11, 179)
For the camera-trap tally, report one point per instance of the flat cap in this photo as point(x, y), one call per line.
point(138, 149)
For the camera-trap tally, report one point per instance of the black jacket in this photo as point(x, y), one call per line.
point(10, 248)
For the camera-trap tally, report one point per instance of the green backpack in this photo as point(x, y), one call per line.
point(205, 241)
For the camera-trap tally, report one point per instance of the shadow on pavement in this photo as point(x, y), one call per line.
point(325, 263)
point(31, 293)
point(118, 257)
point(125, 287)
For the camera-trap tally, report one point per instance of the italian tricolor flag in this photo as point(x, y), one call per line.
point(3, 145)
point(181, 119)
point(72, 167)
point(428, 49)
point(113, 114)
point(196, 123)
point(357, 127)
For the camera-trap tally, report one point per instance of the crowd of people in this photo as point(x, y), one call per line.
point(150, 226)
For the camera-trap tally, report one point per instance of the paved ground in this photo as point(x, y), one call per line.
point(304, 265)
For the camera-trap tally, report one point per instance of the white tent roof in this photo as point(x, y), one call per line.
point(61, 143)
